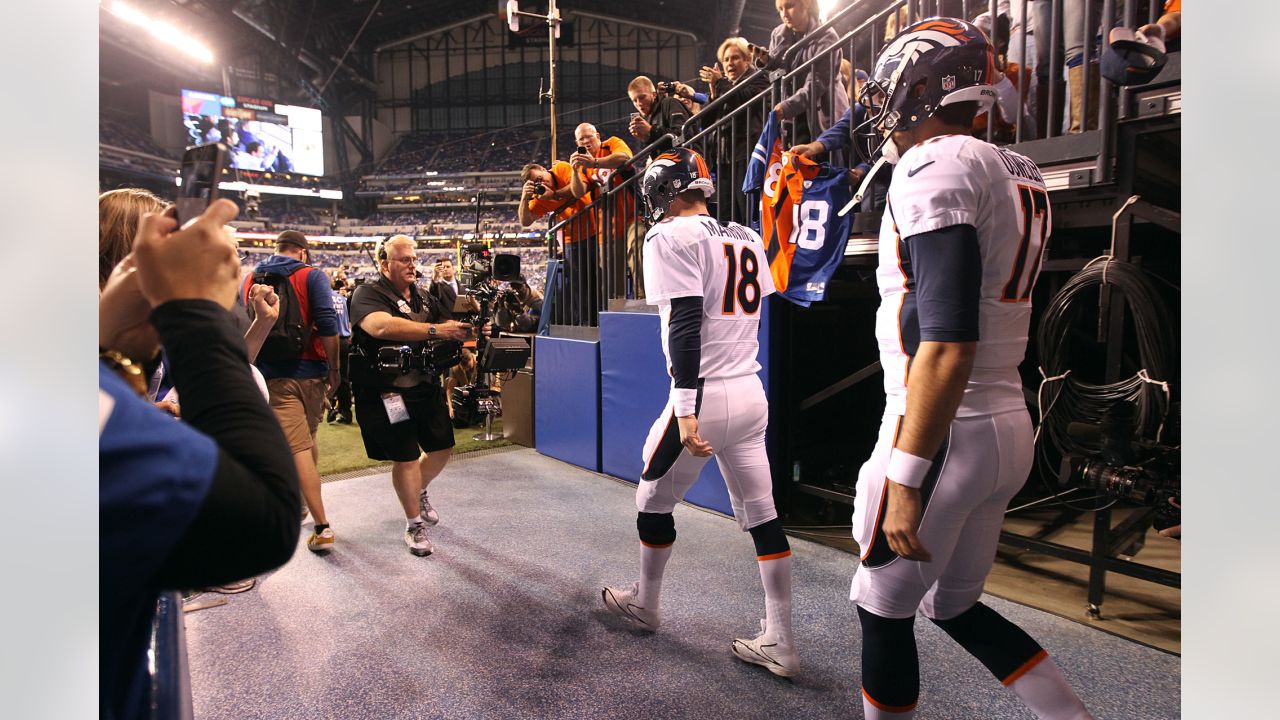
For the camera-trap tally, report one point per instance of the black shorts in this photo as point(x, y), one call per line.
point(428, 426)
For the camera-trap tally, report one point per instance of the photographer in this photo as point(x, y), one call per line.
point(658, 113)
point(519, 308)
point(552, 192)
point(402, 410)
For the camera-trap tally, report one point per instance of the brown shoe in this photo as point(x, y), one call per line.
point(321, 541)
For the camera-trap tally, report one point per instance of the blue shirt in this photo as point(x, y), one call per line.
point(840, 135)
point(153, 475)
point(340, 311)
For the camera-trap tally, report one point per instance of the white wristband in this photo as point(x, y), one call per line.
point(907, 469)
point(685, 401)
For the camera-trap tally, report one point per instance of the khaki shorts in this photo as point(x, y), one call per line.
point(298, 405)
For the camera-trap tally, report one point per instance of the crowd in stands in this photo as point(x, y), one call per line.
point(491, 151)
point(123, 135)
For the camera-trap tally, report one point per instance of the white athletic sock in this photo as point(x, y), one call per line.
point(775, 575)
point(410, 522)
point(1043, 688)
point(653, 560)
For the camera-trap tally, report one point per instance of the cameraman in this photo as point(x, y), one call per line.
point(520, 308)
point(400, 412)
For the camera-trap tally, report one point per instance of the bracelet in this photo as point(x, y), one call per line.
point(128, 370)
point(907, 469)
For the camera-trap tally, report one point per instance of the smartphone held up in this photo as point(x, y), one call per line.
point(201, 172)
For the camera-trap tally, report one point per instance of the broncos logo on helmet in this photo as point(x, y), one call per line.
point(933, 63)
point(670, 174)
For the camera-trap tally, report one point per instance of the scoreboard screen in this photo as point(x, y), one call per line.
point(264, 135)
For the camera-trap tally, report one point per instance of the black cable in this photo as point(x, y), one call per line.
point(1073, 399)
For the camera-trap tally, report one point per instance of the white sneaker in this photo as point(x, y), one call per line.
point(622, 602)
point(763, 650)
point(415, 536)
point(428, 513)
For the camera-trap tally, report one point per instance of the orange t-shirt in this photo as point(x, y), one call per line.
point(540, 206)
point(623, 211)
point(1172, 6)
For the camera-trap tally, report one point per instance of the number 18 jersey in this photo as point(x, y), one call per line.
point(724, 264)
point(960, 180)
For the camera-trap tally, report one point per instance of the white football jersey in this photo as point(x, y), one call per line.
point(725, 265)
point(960, 180)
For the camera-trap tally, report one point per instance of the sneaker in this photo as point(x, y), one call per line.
point(622, 602)
point(330, 416)
point(321, 541)
point(235, 587)
point(344, 418)
point(415, 536)
point(763, 650)
point(428, 513)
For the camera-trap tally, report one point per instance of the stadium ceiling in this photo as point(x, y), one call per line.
point(316, 34)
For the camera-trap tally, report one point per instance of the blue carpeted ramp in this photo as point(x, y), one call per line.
point(567, 400)
point(633, 390)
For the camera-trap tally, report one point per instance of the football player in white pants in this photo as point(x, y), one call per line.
point(709, 281)
point(961, 244)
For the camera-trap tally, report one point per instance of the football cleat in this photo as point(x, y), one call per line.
point(763, 650)
point(622, 602)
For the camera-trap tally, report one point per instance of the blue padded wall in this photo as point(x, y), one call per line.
point(633, 390)
point(567, 400)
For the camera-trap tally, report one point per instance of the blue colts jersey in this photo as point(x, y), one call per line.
point(804, 238)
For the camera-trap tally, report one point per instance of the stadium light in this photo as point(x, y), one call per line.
point(825, 7)
point(162, 31)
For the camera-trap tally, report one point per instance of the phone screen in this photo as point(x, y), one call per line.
point(201, 171)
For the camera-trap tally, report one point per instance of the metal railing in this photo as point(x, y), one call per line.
point(726, 129)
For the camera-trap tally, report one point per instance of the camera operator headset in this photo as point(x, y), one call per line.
point(396, 358)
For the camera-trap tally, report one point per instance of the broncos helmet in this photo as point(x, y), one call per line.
point(670, 174)
point(933, 63)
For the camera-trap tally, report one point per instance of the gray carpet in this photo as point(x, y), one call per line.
point(504, 620)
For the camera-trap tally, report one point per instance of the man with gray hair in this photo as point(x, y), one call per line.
point(400, 403)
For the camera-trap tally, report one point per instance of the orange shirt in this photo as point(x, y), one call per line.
point(1172, 6)
point(540, 206)
point(623, 211)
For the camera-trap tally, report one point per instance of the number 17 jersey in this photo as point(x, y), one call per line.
point(959, 180)
point(725, 265)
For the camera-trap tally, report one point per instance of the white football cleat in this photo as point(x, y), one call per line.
point(622, 602)
point(763, 650)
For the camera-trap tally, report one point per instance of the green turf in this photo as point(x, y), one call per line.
point(342, 450)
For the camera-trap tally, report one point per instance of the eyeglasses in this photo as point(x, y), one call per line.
point(405, 260)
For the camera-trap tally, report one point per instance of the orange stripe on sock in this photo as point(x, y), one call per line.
point(656, 547)
point(774, 556)
point(887, 708)
point(1026, 667)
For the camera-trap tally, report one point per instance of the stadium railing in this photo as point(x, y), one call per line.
point(607, 218)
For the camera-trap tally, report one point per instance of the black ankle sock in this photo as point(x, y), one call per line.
point(320, 527)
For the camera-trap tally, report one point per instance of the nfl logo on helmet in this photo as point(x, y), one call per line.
point(948, 83)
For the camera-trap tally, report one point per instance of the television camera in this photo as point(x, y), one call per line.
point(479, 274)
point(1112, 460)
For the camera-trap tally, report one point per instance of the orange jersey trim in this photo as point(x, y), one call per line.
point(774, 556)
point(655, 547)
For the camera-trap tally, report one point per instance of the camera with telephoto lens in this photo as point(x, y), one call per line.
point(540, 189)
point(1119, 464)
point(433, 359)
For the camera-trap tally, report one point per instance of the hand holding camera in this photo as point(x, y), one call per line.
point(533, 189)
point(198, 262)
point(454, 330)
point(582, 159)
point(640, 127)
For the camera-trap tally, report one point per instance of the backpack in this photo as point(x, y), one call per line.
point(291, 335)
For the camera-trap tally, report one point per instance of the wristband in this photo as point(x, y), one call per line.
point(684, 401)
point(907, 469)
